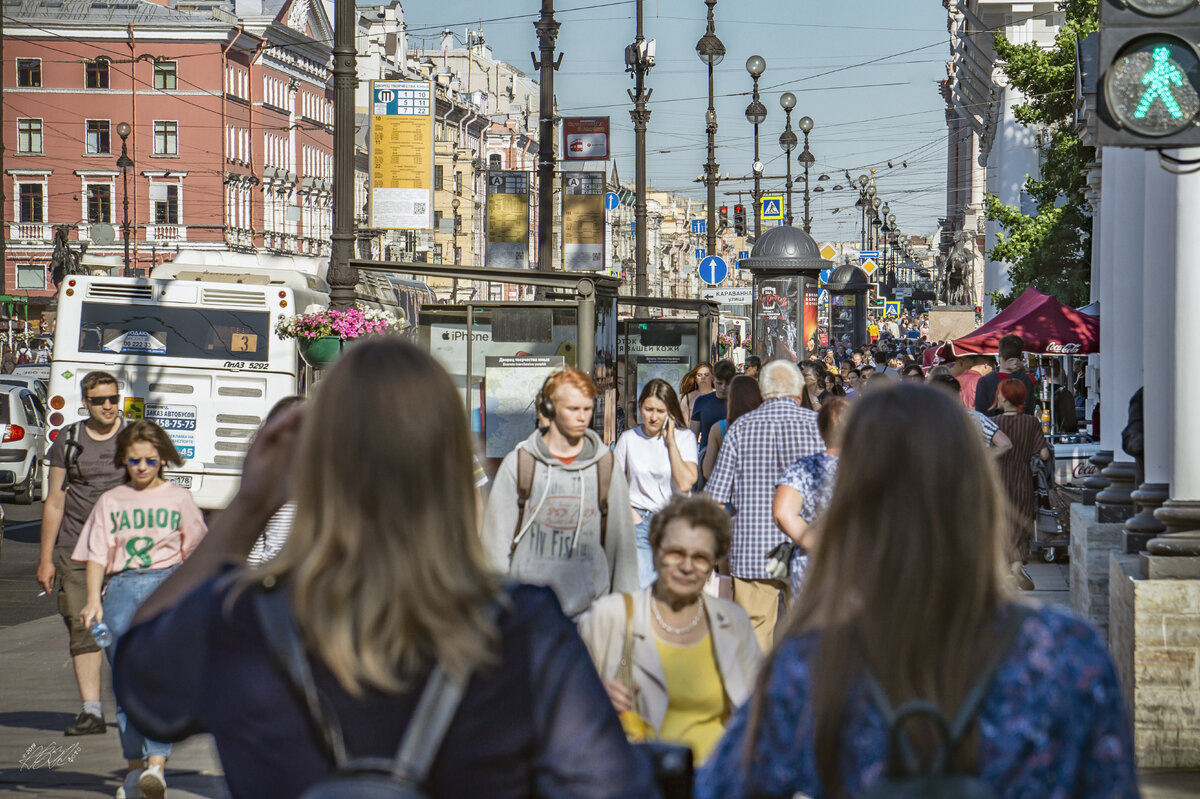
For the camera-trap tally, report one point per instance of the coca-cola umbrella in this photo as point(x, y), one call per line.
point(1045, 325)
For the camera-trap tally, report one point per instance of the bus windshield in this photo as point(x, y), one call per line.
point(174, 332)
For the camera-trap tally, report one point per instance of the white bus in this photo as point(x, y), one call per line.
point(193, 348)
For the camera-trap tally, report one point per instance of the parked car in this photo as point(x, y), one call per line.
point(23, 444)
point(37, 385)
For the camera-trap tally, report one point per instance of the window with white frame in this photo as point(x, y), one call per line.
point(98, 197)
point(29, 135)
point(165, 75)
point(166, 138)
point(31, 276)
point(99, 138)
point(95, 74)
point(29, 72)
point(31, 202)
point(164, 203)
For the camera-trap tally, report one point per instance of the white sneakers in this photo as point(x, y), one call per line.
point(129, 788)
point(152, 783)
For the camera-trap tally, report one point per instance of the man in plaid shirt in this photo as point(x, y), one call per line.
point(757, 449)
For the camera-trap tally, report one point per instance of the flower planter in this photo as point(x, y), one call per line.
point(319, 352)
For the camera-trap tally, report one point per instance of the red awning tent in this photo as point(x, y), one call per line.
point(1045, 325)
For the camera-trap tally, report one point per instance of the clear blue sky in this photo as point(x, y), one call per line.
point(865, 70)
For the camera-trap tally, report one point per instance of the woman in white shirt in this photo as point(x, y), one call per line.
point(659, 458)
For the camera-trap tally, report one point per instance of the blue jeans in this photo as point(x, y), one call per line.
point(645, 556)
point(125, 592)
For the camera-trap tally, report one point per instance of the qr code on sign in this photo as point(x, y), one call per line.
point(419, 208)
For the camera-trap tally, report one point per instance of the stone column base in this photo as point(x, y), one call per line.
point(1092, 542)
point(1116, 500)
point(1097, 482)
point(1142, 527)
point(1155, 640)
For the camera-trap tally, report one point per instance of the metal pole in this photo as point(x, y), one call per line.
point(342, 278)
point(807, 196)
point(125, 203)
point(788, 155)
point(757, 178)
point(547, 32)
point(711, 167)
point(641, 119)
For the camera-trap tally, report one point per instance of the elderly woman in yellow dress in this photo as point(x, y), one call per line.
point(693, 658)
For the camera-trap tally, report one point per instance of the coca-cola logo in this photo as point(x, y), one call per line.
point(1062, 349)
point(1083, 469)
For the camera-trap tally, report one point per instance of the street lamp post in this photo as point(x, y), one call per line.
point(711, 51)
point(861, 205)
point(806, 158)
point(124, 163)
point(639, 59)
point(787, 141)
point(756, 114)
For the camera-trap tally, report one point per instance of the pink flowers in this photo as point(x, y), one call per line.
point(350, 324)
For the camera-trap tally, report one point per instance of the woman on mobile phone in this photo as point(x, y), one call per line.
point(135, 537)
point(659, 458)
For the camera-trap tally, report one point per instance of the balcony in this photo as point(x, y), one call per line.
point(30, 231)
point(168, 233)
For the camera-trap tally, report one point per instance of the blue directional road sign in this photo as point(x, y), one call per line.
point(699, 226)
point(700, 253)
point(611, 201)
point(825, 273)
point(865, 254)
point(713, 270)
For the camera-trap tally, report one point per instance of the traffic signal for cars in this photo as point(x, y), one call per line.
point(1149, 89)
point(723, 219)
point(739, 220)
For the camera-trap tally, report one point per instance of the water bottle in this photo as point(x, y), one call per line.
point(101, 634)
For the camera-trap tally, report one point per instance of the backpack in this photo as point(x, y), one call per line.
point(944, 778)
point(361, 778)
point(525, 468)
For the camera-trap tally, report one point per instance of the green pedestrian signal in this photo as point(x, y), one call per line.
point(1149, 73)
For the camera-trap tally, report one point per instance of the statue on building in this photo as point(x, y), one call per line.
point(956, 274)
point(64, 260)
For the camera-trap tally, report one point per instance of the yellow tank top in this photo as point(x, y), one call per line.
point(696, 707)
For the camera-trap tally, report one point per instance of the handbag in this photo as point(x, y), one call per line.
point(363, 778)
point(637, 729)
point(779, 560)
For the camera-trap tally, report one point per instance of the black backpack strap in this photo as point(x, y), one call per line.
point(525, 469)
point(902, 759)
point(604, 470)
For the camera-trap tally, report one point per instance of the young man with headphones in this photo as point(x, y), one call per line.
point(558, 514)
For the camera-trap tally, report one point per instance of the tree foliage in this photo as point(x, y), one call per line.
point(1051, 248)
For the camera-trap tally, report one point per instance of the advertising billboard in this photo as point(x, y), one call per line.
point(585, 139)
point(507, 219)
point(583, 221)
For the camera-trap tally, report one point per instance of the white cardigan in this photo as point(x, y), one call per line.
point(737, 651)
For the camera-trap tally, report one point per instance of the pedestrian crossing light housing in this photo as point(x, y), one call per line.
point(1149, 88)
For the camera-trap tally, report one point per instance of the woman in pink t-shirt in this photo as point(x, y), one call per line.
point(135, 536)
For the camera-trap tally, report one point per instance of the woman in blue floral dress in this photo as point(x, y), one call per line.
point(910, 585)
point(803, 492)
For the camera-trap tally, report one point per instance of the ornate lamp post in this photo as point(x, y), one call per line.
point(711, 52)
point(124, 163)
point(806, 158)
point(788, 141)
point(861, 205)
point(756, 114)
point(639, 59)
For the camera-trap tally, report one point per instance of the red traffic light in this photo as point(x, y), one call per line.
point(737, 209)
point(724, 209)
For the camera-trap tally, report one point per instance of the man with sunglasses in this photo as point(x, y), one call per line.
point(82, 467)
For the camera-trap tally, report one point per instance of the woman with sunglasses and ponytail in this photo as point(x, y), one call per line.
point(135, 537)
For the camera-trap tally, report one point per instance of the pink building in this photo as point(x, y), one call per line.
point(230, 139)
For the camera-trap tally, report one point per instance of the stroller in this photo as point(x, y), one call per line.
point(1052, 528)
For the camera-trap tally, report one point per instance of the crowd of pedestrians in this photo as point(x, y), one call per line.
point(585, 603)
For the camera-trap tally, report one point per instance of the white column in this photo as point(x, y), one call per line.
point(1121, 318)
point(1013, 157)
point(1158, 319)
point(1185, 482)
point(1102, 272)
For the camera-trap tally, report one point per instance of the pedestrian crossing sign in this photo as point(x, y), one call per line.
point(772, 207)
point(869, 266)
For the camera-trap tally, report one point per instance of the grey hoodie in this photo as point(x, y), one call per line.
point(559, 543)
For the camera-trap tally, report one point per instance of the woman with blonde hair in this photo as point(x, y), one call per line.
point(906, 600)
point(695, 384)
point(386, 580)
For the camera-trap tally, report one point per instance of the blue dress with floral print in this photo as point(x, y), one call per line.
point(1053, 725)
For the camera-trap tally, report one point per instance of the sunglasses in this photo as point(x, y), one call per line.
point(134, 462)
point(105, 400)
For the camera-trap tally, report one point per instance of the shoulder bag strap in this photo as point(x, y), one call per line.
point(435, 710)
point(604, 470)
point(625, 667)
point(525, 468)
point(287, 650)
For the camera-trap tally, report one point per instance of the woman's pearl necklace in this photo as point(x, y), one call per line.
point(676, 630)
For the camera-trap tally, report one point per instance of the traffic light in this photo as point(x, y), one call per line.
point(1149, 89)
point(739, 220)
point(723, 219)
